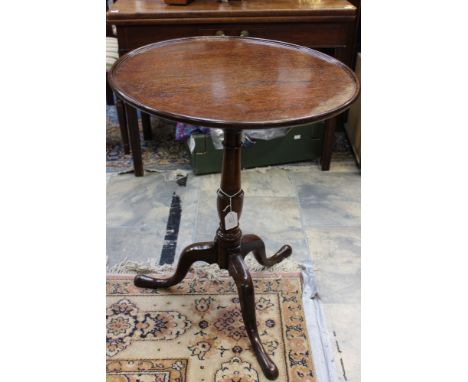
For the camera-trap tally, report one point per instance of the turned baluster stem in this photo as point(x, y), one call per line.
point(229, 240)
point(231, 170)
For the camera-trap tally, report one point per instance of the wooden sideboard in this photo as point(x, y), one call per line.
point(327, 25)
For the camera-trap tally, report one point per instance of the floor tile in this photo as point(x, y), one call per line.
point(271, 182)
point(336, 258)
point(336, 255)
point(328, 199)
point(344, 325)
point(138, 201)
point(134, 244)
point(327, 187)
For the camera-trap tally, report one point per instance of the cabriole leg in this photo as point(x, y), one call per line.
point(239, 272)
point(252, 243)
point(205, 251)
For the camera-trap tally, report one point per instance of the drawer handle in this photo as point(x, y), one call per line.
point(244, 33)
point(220, 33)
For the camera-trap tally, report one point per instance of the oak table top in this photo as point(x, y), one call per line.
point(234, 82)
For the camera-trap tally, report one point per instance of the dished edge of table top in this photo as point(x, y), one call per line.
point(214, 123)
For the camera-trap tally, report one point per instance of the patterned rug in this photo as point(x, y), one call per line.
point(162, 153)
point(193, 332)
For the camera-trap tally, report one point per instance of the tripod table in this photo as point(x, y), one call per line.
point(233, 83)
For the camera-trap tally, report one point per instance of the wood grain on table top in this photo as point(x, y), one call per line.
point(234, 82)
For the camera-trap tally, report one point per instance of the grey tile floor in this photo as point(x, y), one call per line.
point(317, 213)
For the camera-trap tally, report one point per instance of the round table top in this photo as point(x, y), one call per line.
point(235, 82)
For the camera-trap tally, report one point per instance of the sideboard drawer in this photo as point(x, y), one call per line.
point(307, 34)
point(298, 33)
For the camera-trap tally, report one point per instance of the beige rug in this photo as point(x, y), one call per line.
point(193, 332)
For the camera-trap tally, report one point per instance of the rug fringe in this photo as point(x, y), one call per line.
point(199, 270)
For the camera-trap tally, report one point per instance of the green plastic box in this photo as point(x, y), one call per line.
point(302, 143)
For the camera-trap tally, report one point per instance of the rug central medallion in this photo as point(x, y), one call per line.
point(194, 332)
